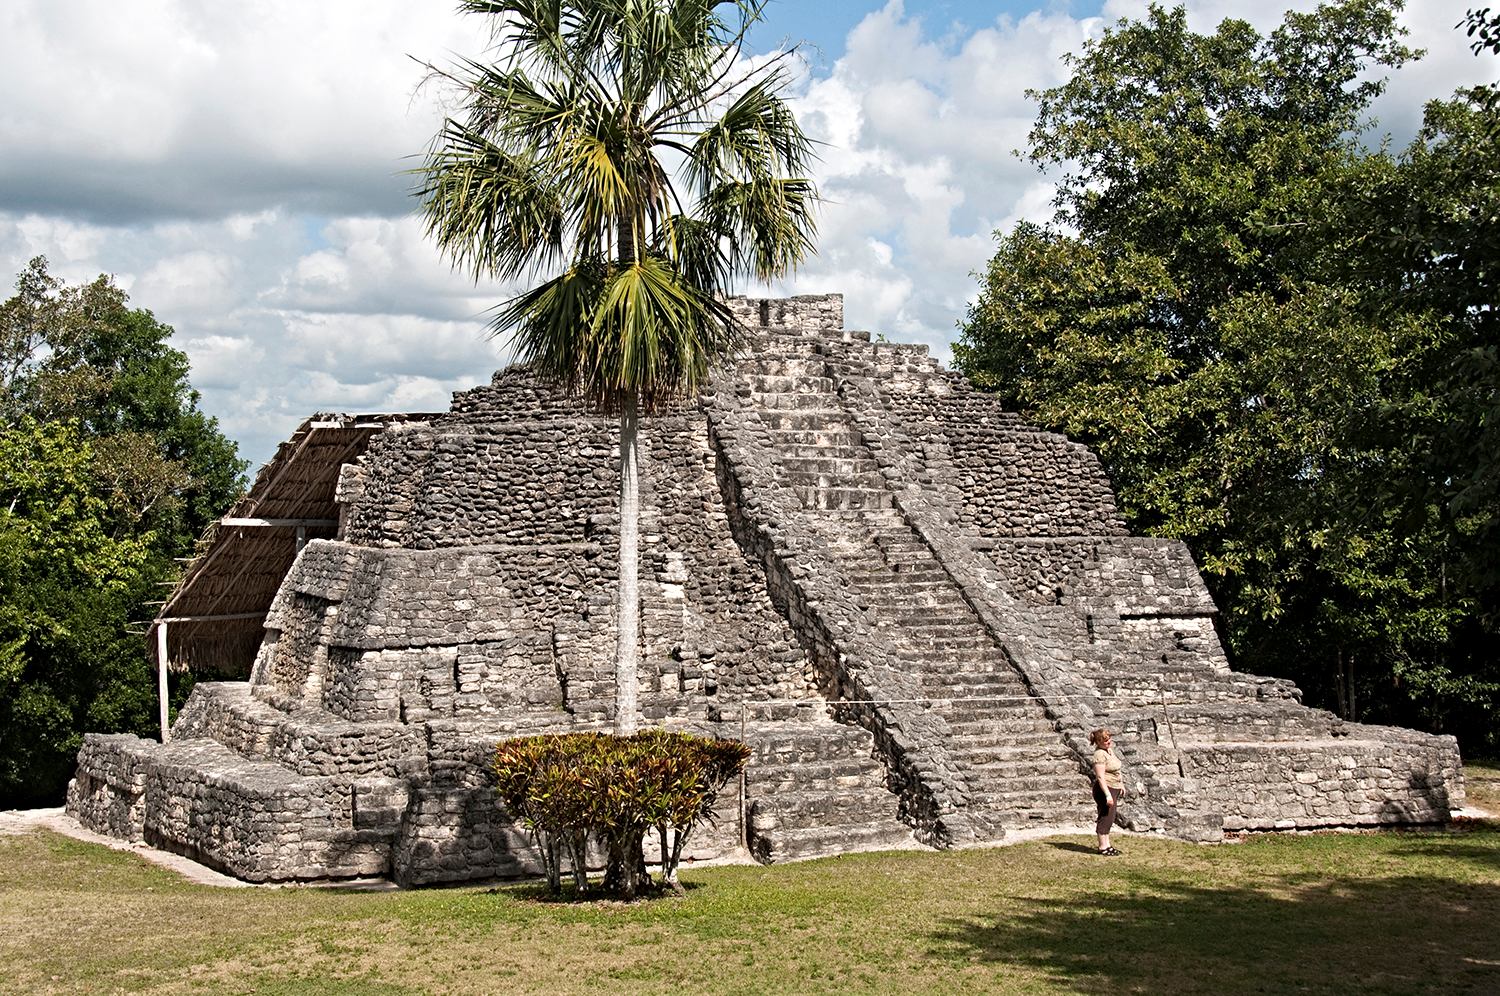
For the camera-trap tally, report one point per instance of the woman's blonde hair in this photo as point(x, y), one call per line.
point(1097, 737)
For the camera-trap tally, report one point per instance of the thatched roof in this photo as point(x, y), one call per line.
point(214, 617)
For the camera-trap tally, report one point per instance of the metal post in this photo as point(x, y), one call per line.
point(301, 538)
point(161, 677)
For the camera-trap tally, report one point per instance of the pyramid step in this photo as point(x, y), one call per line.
point(874, 580)
point(977, 654)
point(841, 498)
point(880, 574)
point(827, 463)
point(1060, 813)
point(779, 743)
point(805, 420)
point(339, 826)
point(915, 630)
point(1070, 803)
point(816, 804)
point(911, 603)
point(994, 785)
point(836, 441)
point(784, 366)
point(783, 844)
point(791, 401)
point(1001, 677)
point(961, 712)
point(1021, 732)
point(930, 620)
point(833, 481)
point(832, 449)
point(781, 383)
point(997, 692)
point(309, 743)
point(834, 771)
point(996, 750)
point(1008, 769)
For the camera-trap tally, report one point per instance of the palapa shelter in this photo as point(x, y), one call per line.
point(213, 621)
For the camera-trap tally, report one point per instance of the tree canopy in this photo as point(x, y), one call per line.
point(108, 471)
point(626, 156)
point(1278, 335)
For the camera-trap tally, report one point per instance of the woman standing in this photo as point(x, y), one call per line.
point(1109, 787)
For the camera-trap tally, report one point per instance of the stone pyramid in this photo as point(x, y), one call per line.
point(911, 604)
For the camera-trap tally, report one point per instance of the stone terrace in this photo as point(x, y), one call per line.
point(912, 605)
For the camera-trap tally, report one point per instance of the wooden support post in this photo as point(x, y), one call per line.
point(301, 538)
point(161, 677)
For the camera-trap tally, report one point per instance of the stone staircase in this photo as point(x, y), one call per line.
point(814, 788)
point(1018, 770)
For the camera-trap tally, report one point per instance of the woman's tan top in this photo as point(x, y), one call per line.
point(1111, 764)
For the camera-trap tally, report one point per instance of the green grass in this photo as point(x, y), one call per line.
point(1330, 913)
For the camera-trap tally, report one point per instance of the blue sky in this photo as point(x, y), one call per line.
point(826, 24)
point(238, 169)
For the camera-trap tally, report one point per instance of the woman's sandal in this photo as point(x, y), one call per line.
point(1110, 852)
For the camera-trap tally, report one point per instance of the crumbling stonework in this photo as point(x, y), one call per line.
point(912, 605)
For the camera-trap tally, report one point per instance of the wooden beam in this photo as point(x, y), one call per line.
point(202, 564)
point(231, 617)
point(237, 522)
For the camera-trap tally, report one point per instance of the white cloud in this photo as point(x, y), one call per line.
point(237, 167)
point(920, 142)
point(169, 108)
point(220, 361)
point(921, 136)
point(380, 265)
point(198, 280)
point(282, 317)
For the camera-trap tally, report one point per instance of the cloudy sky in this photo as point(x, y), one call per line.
point(237, 167)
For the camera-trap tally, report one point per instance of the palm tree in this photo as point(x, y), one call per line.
point(624, 155)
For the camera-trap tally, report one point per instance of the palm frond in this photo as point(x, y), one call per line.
point(769, 223)
point(756, 137)
point(493, 212)
point(557, 164)
point(655, 335)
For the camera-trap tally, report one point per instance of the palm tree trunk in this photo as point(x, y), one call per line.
point(629, 609)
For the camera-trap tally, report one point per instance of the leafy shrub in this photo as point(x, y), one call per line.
point(568, 787)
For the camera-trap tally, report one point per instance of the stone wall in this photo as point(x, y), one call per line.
point(109, 793)
point(1304, 784)
point(913, 605)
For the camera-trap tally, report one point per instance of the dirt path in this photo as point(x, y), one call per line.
point(19, 821)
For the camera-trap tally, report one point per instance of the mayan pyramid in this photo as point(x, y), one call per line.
point(911, 604)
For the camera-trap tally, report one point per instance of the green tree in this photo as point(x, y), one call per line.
point(68, 585)
point(625, 155)
point(82, 354)
point(108, 472)
point(1217, 309)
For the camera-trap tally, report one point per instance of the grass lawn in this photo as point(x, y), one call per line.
point(1329, 913)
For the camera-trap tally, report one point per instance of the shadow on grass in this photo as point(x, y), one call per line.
point(1486, 858)
point(1068, 845)
point(537, 892)
point(1398, 935)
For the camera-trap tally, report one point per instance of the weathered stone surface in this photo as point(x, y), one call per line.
point(911, 604)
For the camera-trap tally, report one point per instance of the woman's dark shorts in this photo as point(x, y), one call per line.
point(1106, 808)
